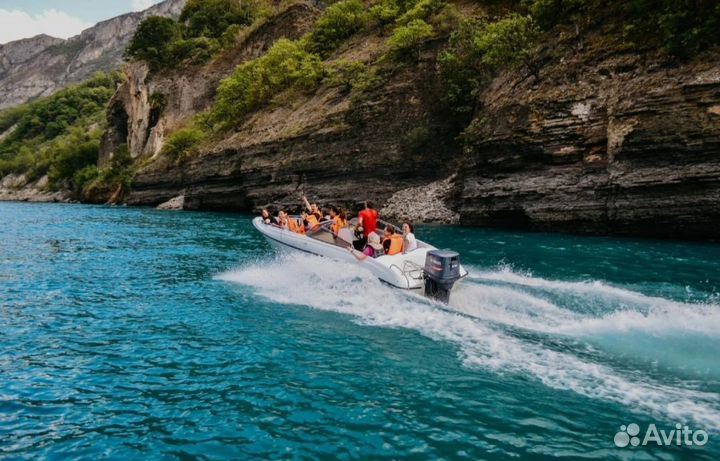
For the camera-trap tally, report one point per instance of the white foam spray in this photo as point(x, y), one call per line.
point(486, 309)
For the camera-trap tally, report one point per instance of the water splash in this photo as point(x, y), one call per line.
point(492, 302)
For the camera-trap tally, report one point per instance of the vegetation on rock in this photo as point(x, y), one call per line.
point(470, 43)
point(152, 41)
point(57, 135)
point(254, 82)
point(679, 27)
point(406, 40)
point(109, 183)
point(211, 18)
point(183, 143)
point(338, 22)
point(204, 27)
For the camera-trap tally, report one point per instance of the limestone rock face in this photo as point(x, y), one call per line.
point(133, 120)
point(606, 142)
point(425, 203)
point(174, 204)
point(623, 148)
point(41, 65)
point(18, 188)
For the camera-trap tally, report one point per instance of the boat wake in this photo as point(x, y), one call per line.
point(591, 338)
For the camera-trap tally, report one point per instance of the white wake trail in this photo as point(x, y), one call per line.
point(628, 310)
point(347, 288)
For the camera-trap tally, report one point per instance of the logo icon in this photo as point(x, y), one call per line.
point(628, 435)
point(681, 435)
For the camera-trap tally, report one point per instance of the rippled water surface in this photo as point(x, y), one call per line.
point(132, 333)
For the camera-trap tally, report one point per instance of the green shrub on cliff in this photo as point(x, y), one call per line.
point(195, 50)
point(478, 49)
point(406, 41)
point(204, 27)
point(287, 64)
point(422, 9)
point(338, 22)
point(459, 70)
point(384, 11)
point(351, 76)
point(183, 143)
point(73, 153)
point(683, 27)
point(211, 18)
point(109, 182)
point(10, 117)
point(509, 42)
point(151, 41)
point(679, 27)
point(57, 133)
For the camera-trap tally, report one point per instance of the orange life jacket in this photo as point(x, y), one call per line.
point(396, 244)
point(312, 221)
point(339, 223)
point(294, 227)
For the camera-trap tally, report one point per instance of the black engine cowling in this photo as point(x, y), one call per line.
point(442, 270)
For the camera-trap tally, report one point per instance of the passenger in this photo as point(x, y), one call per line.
point(282, 219)
point(311, 222)
point(392, 243)
point(367, 219)
point(373, 248)
point(313, 209)
point(409, 240)
point(325, 215)
point(266, 217)
point(339, 222)
point(294, 226)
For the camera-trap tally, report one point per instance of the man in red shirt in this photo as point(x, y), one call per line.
point(367, 218)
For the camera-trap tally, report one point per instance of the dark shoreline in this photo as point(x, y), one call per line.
point(520, 230)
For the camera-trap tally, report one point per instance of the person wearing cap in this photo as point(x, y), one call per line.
point(373, 248)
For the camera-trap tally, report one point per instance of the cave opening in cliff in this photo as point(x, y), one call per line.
point(119, 121)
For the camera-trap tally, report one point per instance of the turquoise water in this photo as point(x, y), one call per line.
point(139, 334)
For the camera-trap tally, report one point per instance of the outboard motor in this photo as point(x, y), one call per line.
point(442, 270)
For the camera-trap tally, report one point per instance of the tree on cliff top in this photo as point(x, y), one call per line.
point(510, 41)
point(211, 18)
point(151, 40)
point(338, 22)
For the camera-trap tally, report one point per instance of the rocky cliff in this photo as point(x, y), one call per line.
point(41, 65)
point(620, 144)
point(600, 141)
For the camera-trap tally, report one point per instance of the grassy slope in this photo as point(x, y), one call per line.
point(56, 135)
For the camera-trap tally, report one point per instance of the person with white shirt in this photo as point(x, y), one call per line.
point(410, 243)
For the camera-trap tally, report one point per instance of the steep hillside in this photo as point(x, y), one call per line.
point(583, 116)
point(603, 142)
point(41, 65)
point(590, 134)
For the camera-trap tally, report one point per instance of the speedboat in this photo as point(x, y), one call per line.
point(424, 269)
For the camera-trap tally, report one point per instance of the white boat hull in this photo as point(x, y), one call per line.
point(401, 271)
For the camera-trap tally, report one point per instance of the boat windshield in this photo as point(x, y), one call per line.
point(323, 233)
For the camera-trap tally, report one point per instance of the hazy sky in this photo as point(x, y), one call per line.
point(59, 18)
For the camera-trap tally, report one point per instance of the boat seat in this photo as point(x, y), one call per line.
point(346, 235)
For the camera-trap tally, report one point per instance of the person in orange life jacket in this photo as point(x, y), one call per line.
point(310, 221)
point(313, 209)
point(392, 243)
point(337, 217)
point(294, 226)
